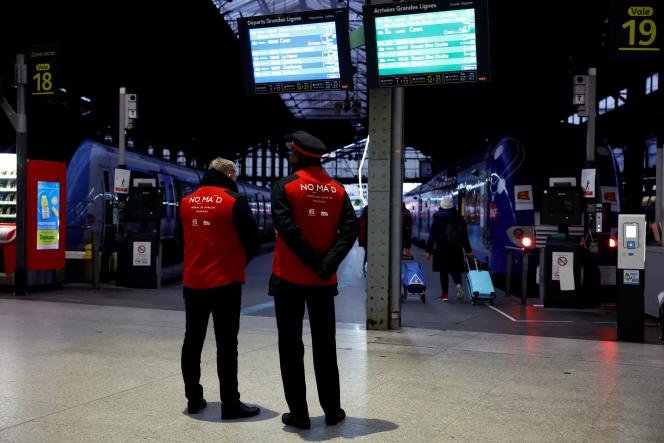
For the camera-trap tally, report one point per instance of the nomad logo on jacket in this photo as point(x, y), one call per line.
point(317, 187)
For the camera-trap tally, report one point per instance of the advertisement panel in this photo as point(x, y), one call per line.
point(48, 215)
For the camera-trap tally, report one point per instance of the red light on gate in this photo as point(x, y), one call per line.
point(612, 243)
point(527, 242)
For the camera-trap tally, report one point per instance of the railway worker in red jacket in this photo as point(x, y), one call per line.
point(316, 227)
point(220, 237)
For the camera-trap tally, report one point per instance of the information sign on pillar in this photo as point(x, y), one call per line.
point(579, 94)
point(131, 110)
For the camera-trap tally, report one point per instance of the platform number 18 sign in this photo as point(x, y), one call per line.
point(42, 62)
point(635, 28)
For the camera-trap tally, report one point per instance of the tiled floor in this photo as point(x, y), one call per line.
point(86, 373)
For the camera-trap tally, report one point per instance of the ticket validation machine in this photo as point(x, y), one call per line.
point(631, 276)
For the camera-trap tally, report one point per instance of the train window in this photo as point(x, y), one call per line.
point(650, 158)
point(181, 189)
point(473, 206)
point(187, 188)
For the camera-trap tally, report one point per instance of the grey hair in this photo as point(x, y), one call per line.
point(223, 166)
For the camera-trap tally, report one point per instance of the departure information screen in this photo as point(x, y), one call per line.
point(297, 52)
point(426, 42)
point(292, 53)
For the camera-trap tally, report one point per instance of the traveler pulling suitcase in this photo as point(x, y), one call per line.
point(412, 279)
point(480, 287)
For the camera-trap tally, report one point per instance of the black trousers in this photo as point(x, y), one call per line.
point(448, 267)
point(224, 304)
point(289, 306)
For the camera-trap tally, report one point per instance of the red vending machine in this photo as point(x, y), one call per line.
point(45, 220)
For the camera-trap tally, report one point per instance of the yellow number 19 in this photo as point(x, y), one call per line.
point(647, 28)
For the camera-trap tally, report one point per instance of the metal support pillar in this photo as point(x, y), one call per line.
point(378, 252)
point(591, 107)
point(396, 196)
point(122, 118)
point(21, 127)
point(659, 182)
point(385, 195)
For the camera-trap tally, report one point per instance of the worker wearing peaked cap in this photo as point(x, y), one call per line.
point(316, 227)
point(307, 145)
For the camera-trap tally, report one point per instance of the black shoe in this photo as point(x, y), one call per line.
point(238, 410)
point(291, 419)
point(194, 406)
point(335, 418)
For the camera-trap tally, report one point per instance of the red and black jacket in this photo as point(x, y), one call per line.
point(316, 227)
point(219, 232)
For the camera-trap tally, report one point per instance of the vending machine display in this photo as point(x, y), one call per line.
point(7, 188)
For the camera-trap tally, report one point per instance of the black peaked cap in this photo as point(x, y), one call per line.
point(307, 144)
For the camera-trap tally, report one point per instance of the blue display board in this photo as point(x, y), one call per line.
point(298, 52)
point(431, 42)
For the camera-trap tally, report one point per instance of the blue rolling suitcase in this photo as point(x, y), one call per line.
point(480, 286)
point(412, 279)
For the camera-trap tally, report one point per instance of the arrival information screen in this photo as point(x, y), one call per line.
point(425, 43)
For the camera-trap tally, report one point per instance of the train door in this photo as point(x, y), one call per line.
point(108, 211)
point(109, 219)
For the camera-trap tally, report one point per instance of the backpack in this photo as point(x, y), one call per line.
point(453, 232)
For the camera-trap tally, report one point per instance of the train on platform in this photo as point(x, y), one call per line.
point(498, 194)
point(92, 202)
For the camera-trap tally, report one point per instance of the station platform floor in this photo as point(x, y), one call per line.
point(84, 365)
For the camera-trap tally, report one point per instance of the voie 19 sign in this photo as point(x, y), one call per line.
point(635, 26)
